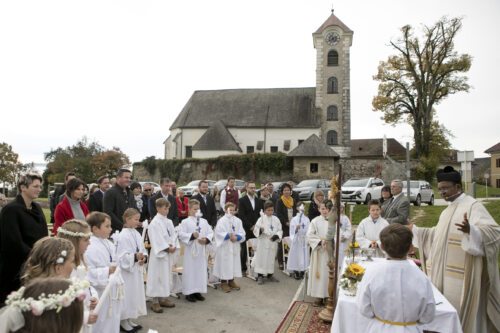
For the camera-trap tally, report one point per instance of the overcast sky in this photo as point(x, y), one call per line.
point(119, 72)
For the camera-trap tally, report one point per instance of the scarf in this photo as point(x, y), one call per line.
point(287, 201)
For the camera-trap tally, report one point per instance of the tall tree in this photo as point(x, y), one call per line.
point(9, 164)
point(88, 159)
point(419, 76)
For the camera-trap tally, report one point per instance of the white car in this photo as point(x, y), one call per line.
point(192, 187)
point(362, 190)
point(420, 191)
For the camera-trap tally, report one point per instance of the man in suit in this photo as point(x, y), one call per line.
point(398, 210)
point(166, 193)
point(95, 199)
point(249, 207)
point(118, 198)
point(207, 203)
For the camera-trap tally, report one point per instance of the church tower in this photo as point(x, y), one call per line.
point(332, 42)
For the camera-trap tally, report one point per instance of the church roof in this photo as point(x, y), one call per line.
point(373, 148)
point(217, 137)
point(333, 21)
point(494, 149)
point(313, 147)
point(275, 107)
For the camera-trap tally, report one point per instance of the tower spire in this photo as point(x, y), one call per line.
point(332, 8)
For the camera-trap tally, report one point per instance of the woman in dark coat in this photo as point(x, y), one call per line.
point(22, 223)
point(318, 198)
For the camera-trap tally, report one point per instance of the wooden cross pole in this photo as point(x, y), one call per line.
point(333, 263)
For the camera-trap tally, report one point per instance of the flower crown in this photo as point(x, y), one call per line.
point(74, 234)
point(48, 302)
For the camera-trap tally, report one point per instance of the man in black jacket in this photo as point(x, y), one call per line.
point(207, 203)
point(249, 207)
point(95, 200)
point(166, 193)
point(118, 198)
point(22, 223)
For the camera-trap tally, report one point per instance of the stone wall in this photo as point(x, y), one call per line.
point(202, 170)
point(381, 168)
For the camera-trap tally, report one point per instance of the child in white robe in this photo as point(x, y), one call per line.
point(298, 257)
point(396, 294)
point(78, 233)
point(317, 285)
point(367, 233)
point(131, 257)
point(101, 260)
point(195, 233)
point(162, 237)
point(269, 232)
point(229, 234)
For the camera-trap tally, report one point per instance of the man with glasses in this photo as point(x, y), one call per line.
point(22, 223)
point(147, 192)
point(95, 199)
point(166, 193)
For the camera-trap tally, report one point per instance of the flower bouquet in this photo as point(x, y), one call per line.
point(353, 249)
point(351, 277)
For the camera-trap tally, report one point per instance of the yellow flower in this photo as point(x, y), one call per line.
point(354, 245)
point(356, 269)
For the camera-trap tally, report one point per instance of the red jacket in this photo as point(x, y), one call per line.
point(64, 213)
point(182, 206)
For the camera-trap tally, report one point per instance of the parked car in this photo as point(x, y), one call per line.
point(221, 184)
point(192, 187)
point(306, 188)
point(362, 190)
point(420, 191)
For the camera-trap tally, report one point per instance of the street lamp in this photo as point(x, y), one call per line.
point(486, 177)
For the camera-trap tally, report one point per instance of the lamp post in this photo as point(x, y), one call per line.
point(486, 177)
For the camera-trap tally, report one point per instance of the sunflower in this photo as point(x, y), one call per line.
point(356, 270)
point(354, 245)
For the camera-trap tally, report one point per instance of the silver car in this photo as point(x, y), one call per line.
point(192, 187)
point(420, 191)
point(306, 188)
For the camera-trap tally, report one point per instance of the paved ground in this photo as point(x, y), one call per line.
point(254, 308)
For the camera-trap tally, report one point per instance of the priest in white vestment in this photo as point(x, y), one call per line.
point(317, 285)
point(368, 231)
point(460, 256)
point(298, 257)
point(268, 231)
point(229, 234)
point(195, 233)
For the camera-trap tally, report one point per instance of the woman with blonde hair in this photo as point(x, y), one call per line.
point(318, 198)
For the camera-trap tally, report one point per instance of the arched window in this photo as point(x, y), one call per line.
point(332, 113)
point(333, 58)
point(333, 86)
point(331, 138)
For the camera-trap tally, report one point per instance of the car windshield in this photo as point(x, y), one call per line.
point(355, 183)
point(193, 183)
point(308, 183)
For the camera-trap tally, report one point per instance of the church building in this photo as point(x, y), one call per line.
point(239, 121)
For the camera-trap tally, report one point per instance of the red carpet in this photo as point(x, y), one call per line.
point(302, 317)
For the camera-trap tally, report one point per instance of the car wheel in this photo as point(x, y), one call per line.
point(431, 202)
point(368, 198)
point(418, 201)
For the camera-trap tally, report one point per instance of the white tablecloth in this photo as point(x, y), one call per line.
point(347, 317)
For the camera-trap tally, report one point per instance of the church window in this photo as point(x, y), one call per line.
point(331, 138)
point(332, 113)
point(250, 149)
point(313, 168)
point(333, 58)
point(274, 149)
point(333, 85)
point(286, 145)
point(189, 151)
point(260, 145)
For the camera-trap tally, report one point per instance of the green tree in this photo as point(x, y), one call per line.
point(9, 164)
point(88, 160)
point(420, 76)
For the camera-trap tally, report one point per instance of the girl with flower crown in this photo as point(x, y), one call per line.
point(52, 305)
point(78, 233)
